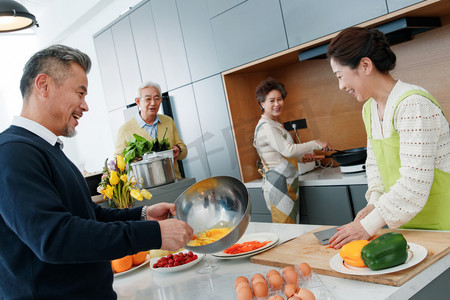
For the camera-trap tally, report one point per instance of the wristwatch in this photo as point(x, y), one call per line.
point(143, 212)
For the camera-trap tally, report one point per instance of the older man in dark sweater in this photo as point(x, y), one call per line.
point(55, 243)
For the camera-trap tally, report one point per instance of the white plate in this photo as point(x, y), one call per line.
point(177, 268)
point(147, 259)
point(416, 254)
point(260, 237)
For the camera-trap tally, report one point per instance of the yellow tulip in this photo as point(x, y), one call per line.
point(108, 192)
point(136, 194)
point(120, 163)
point(146, 194)
point(124, 177)
point(114, 179)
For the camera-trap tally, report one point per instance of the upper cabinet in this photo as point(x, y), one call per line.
point(126, 57)
point(198, 38)
point(248, 31)
point(216, 7)
point(171, 43)
point(109, 70)
point(147, 47)
point(308, 20)
point(394, 5)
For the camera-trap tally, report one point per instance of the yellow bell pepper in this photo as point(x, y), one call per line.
point(351, 253)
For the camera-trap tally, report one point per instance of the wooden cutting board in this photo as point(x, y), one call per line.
point(306, 248)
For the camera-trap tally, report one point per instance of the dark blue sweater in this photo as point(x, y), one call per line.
point(55, 243)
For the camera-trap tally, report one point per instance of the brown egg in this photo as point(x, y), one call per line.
point(305, 269)
point(272, 272)
point(239, 280)
point(241, 284)
point(244, 293)
point(257, 275)
point(294, 298)
point(305, 294)
point(276, 297)
point(260, 289)
point(288, 268)
point(276, 282)
point(290, 277)
point(259, 279)
point(291, 289)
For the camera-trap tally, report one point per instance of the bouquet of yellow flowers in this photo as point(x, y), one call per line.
point(118, 187)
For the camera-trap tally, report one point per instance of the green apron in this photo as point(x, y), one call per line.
point(436, 212)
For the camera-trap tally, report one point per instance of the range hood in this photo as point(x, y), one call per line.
point(396, 32)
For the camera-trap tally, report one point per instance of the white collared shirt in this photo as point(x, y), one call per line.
point(37, 129)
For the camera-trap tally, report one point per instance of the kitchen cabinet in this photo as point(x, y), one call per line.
point(248, 31)
point(198, 38)
point(184, 109)
point(109, 70)
point(147, 46)
point(394, 5)
point(358, 196)
point(216, 127)
point(308, 20)
point(260, 213)
point(171, 43)
point(327, 205)
point(217, 7)
point(126, 58)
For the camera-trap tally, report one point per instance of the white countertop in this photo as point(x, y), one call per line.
point(143, 283)
point(323, 177)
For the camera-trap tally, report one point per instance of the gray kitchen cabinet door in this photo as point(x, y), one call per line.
point(198, 38)
point(260, 213)
point(325, 205)
point(307, 20)
point(170, 38)
point(184, 111)
point(216, 7)
point(109, 70)
point(394, 5)
point(216, 127)
point(126, 57)
point(247, 32)
point(147, 47)
point(358, 196)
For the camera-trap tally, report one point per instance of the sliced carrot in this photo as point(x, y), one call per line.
point(245, 247)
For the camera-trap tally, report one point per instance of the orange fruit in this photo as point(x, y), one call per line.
point(122, 264)
point(139, 258)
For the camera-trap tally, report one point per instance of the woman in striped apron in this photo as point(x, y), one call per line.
point(279, 154)
point(408, 140)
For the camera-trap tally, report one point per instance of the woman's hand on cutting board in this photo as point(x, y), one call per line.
point(350, 232)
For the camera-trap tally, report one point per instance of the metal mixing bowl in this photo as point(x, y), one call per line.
point(215, 200)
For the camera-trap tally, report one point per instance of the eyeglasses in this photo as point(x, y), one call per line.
point(155, 98)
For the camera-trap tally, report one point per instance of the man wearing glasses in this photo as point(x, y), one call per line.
point(150, 125)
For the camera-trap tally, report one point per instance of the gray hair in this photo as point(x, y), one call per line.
point(148, 84)
point(55, 61)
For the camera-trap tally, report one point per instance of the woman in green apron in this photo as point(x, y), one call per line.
point(279, 154)
point(408, 140)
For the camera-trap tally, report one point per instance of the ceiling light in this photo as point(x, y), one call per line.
point(14, 16)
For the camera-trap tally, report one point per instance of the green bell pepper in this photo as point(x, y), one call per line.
point(386, 251)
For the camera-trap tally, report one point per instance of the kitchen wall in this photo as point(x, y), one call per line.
point(94, 141)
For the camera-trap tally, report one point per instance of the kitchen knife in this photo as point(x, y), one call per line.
point(325, 235)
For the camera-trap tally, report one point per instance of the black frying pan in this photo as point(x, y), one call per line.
point(350, 157)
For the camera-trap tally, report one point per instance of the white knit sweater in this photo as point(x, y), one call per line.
point(424, 145)
point(273, 142)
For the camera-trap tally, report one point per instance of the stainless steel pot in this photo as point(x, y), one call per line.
point(155, 169)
